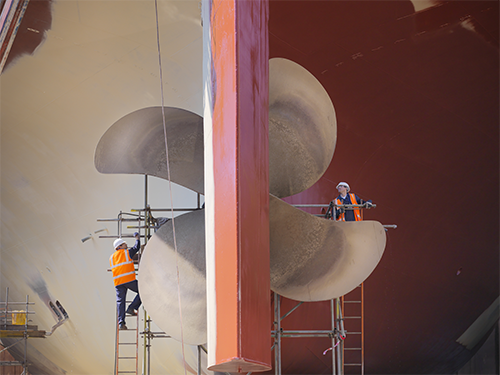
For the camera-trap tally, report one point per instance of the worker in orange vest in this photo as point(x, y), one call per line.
point(349, 198)
point(123, 270)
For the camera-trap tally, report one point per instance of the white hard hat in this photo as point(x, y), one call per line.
point(118, 242)
point(344, 184)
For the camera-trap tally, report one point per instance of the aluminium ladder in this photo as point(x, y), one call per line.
point(353, 345)
point(127, 346)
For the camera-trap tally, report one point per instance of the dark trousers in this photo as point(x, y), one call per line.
point(121, 297)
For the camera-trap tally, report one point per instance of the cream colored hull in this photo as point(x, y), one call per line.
point(98, 63)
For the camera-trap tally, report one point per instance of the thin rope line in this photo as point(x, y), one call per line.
point(170, 184)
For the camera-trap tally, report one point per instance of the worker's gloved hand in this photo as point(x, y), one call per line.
point(341, 210)
point(369, 204)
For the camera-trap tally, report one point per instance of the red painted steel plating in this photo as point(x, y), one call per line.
point(240, 136)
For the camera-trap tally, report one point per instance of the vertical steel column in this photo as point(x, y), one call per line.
point(119, 223)
point(25, 363)
point(236, 181)
point(147, 326)
point(339, 330)
point(277, 336)
point(137, 345)
point(145, 191)
point(6, 305)
point(199, 358)
point(332, 310)
point(149, 341)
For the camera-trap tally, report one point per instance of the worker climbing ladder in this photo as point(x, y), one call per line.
point(127, 341)
point(127, 346)
point(353, 319)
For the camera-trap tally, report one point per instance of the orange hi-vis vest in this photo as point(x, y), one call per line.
point(357, 211)
point(122, 267)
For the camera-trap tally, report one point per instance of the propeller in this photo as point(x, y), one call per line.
point(312, 259)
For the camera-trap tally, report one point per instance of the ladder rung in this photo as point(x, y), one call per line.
point(352, 317)
point(127, 372)
point(354, 333)
point(351, 348)
point(127, 343)
point(352, 364)
point(352, 301)
point(127, 358)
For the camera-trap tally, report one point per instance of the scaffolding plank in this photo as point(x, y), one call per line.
point(15, 333)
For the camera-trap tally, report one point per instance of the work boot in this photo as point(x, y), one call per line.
point(123, 326)
point(131, 312)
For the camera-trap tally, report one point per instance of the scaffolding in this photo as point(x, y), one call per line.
point(15, 324)
point(347, 314)
point(342, 354)
point(142, 220)
point(337, 333)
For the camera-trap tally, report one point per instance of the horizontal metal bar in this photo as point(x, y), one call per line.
point(351, 348)
point(127, 358)
point(16, 303)
point(352, 317)
point(165, 209)
point(352, 364)
point(127, 343)
point(354, 205)
point(136, 219)
point(352, 301)
point(304, 335)
point(310, 205)
point(10, 363)
point(158, 336)
point(304, 332)
point(122, 236)
point(390, 226)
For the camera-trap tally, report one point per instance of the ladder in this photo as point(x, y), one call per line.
point(127, 341)
point(353, 346)
point(127, 346)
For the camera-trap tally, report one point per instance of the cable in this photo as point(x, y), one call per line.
point(170, 184)
point(338, 342)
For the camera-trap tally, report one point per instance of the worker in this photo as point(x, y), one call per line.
point(345, 197)
point(123, 269)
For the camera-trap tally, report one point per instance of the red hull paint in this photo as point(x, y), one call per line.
point(240, 137)
point(416, 99)
point(418, 134)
